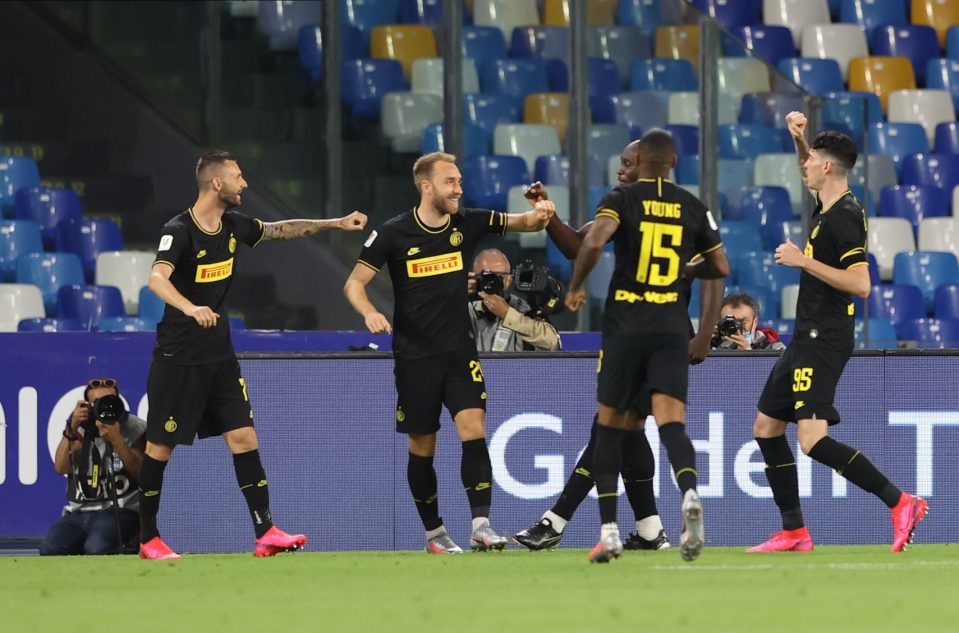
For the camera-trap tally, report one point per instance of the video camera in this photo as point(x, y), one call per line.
point(539, 290)
point(108, 409)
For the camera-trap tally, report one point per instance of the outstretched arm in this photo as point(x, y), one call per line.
point(355, 291)
point(292, 229)
point(566, 238)
point(796, 124)
point(531, 221)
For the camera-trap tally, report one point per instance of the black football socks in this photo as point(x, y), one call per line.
point(252, 480)
point(580, 481)
point(681, 454)
point(476, 472)
point(855, 467)
point(783, 479)
point(639, 468)
point(607, 461)
point(151, 481)
point(422, 479)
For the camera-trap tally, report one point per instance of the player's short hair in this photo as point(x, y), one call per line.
point(210, 160)
point(423, 167)
point(656, 146)
point(738, 299)
point(839, 147)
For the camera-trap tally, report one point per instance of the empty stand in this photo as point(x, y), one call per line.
point(17, 302)
point(128, 271)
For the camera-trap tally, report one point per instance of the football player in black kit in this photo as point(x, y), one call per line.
point(194, 386)
point(802, 385)
point(656, 228)
point(428, 250)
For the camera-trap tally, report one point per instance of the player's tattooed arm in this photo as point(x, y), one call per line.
point(292, 229)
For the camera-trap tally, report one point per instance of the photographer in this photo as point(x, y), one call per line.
point(738, 326)
point(101, 452)
point(508, 323)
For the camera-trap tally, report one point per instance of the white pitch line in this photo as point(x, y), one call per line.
point(839, 566)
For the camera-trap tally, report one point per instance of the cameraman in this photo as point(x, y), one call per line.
point(500, 323)
point(738, 326)
point(102, 495)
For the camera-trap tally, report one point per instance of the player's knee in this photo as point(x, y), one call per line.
point(765, 426)
point(808, 439)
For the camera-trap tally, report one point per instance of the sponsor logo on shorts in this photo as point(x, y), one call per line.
point(170, 425)
point(218, 271)
point(436, 265)
point(800, 404)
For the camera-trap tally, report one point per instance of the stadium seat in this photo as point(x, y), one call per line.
point(895, 303)
point(548, 108)
point(939, 234)
point(938, 14)
point(930, 333)
point(795, 14)
point(737, 76)
point(487, 179)
point(15, 173)
point(404, 43)
point(952, 42)
point(603, 79)
point(128, 271)
point(913, 203)
point(475, 140)
point(789, 298)
point(678, 42)
point(488, 111)
point(874, 278)
point(647, 14)
point(621, 44)
point(867, 200)
point(943, 74)
point(604, 140)
point(514, 78)
point(684, 108)
point(427, 76)
point(483, 43)
point(793, 231)
point(882, 334)
point(887, 237)
point(643, 110)
point(918, 44)
point(365, 81)
point(17, 238)
point(598, 12)
point(597, 284)
point(748, 140)
point(770, 108)
point(927, 270)
point(760, 270)
point(882, 173)
point(898, 140)
point(47, 207)
point(870, 14)
point(87, 239)
point(955, 201)
point(126, 324)
point(150, 307)
point(365, 15)
point(947, 302)
point(938, 170)
point(18, 302)
point(505, 14)
point(50, 325)
point(310, 49)
point(819, 77)
point(49, 271)
point(404, 116)
point(881, 76)
point(553, 169)
point(781, 170)
point(766, 207)
point(841, 42)
point(671, 75)
point(687, 170)
point(280, 22)
point(850, 109)
point(767, 42)
point(527, 141)
point(517, 202)
point(686, 138)
point(731, 14)
point(544, 42)
point(739, 237)
point(421, 12)
point(90, 304)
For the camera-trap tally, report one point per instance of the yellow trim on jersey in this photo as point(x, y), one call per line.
point(262, 232)
point(609, 213)
point(857, 264)
point(844, 193)
point(502, 220)
point(852, 251)
point(710, 250)
point(435, 265)
point(219, 226)
point(416, 218)
point(368, 265)
point(163, 261)
point(659, 187)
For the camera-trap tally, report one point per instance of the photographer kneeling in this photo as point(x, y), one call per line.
point(101, 452)
point(509, 323)
point(738, 326)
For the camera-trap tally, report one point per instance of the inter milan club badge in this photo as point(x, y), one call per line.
point(232, 243)
point(456, 238)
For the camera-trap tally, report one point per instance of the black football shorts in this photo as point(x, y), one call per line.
point(632, 368)
point(802, 383)
point(424, 385)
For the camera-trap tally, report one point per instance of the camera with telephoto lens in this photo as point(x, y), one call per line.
point(539, 290)
point(108, 409)
point(729, 325)
point(489, 282)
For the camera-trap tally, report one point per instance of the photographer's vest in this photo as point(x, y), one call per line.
point(127, 486)
point(491, 334)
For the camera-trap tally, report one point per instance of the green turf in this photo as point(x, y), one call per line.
point(830, 589)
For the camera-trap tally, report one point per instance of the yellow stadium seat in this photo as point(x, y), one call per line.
point(403, 42)
point(598, 12)
point(939, 14)
point(678, 42)
point(881, 75)
point(548, 108)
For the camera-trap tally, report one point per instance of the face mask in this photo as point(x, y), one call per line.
point(749, 337)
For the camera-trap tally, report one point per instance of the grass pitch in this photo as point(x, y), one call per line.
point(835, 589)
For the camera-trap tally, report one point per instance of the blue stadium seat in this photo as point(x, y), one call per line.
point(820, 77)
point(237, 323)
point(281, 21)
point(766, 207)
point(50, 324)
point(597, 284)
point(896, 302)
point(87, 239)
point(938, 170)
point(870, 14)
point(557, 262)
point(687, 170)
point(882, 334)
point(475, 140)
point(595, 197)
point(15, 173)
point(603, 79)
point(544, 42)
point(760, 270)
point(647, 14)
point(732, 175)
point(49, 271)
point(898, 140)
point(643, 110)
point(739, 237)
point(870, 203)
point(930, 333)
point(686, 138)
point(90, 304)
point(671, 75)
point(741, 140)
point(150, 306)
point(483, 43)
point(874, 279)
point(310, 48)
point(604, 140)
point(943, 74)
point(553, 169)
point(126, 324)
point(850, 109)
point(422, 12)
point(365, 15)
point(952, 42)
point(947, 138)
point(769, 108)
point(514, 78)
point(487, 111)
point(913, 203)
point(926, 270)
point(916, 42)
point(621, 44)
point(365, 81)
point(17, 238)
point(947, 302)
point(732, 14)
point(767, 42)
point(487, 179)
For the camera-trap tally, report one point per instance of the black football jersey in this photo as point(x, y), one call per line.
point(837, 239)
point(661, 227)
point(203, 267)
point(429, 268)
